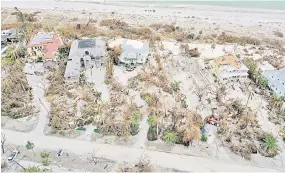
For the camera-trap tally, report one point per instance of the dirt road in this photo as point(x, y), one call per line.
point(125, 154)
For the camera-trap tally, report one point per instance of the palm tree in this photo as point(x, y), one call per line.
point(152, 120)
point(170, 137)
point(30, 146)
point(136, 117)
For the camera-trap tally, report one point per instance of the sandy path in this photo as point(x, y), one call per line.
point(121, 153)
point(142, 135)
point(38, 93)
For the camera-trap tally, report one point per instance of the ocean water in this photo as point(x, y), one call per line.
point(274, 5)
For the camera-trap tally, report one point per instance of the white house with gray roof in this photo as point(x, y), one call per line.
point(134, 52)
point(276, 81)
point(87, 53)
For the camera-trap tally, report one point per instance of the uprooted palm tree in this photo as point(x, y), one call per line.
point(16, 93)
point(25, 19)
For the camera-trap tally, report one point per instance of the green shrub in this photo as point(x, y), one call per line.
point(175, 86)
point(184, 104)
point(170, 137)
point(136, 117)
point(44, 155)
point(15, 116)
point(32, 169)
point(134, 129)
point(81, 128)
point(270, 145)
point(263, 83)
point(39, 59)
point(191, 36)
point(147, 98)
point(152, 120)
point(204, 138)
point(46, 162)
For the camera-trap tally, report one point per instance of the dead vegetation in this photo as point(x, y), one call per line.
point(189, 52)
point(225, 38)
point(71, 105)
point(72, 32)
point(10, 26)
point(162, 27)
point(175, 125)
point(156, 78)
point(120, 117)
point(16, 93)
point(240, 131)
point(142, 165)
point(113, 23)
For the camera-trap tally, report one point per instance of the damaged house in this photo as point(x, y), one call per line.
point(229, 68)
point(134, 52)
point(84, 54)
point(44, 46)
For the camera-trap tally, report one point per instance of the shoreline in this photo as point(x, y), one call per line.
point(213, 20)
point(146, 4)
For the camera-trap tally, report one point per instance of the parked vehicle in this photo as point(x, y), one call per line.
point(212, 120)
point(59, 153)
point(13, 155)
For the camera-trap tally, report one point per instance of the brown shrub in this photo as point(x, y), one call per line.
point(118, 50)
point(224, 38)
point(191, 134)
point(10, 26)
point(72, 32)
point(143, 31)
point(113, 23)
point(178, 36)
point(116, 128)
point(165, 28)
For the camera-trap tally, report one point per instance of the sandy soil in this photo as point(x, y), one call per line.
point(247, 22)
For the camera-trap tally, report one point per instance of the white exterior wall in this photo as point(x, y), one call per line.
point(133, 57)
point(233, 75)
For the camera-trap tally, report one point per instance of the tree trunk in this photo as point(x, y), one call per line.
point(20, 165)
point(2, 146)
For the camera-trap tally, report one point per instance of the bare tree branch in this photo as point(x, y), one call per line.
point(3, 140)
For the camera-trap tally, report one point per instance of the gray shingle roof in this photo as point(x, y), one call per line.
point(41, 37)
point(94, 47)
point(4, 37)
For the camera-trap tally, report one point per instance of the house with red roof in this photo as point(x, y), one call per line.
point(44, 46)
